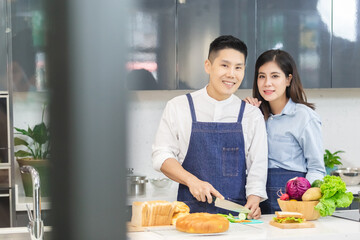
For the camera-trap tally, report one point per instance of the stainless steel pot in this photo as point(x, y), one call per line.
point(136, 185)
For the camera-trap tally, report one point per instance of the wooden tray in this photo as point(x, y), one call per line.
point(292, 225)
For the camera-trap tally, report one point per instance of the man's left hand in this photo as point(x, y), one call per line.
point(253, 204)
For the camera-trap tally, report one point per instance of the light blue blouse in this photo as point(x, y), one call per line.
point(295, 141)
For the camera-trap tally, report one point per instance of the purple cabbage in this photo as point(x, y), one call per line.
point(296, 187)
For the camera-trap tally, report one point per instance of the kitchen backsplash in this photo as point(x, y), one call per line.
point(339, 110)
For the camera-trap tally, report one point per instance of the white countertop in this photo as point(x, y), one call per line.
point(326, 228)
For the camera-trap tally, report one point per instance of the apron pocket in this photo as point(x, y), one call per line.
point(230, 162)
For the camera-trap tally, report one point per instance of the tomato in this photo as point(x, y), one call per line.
point(284, 196)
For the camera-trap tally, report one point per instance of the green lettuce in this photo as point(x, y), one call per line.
point(334, 195)
point(289, 219)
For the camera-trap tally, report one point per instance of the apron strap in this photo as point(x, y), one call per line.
point(241, 113)
point(192, 109)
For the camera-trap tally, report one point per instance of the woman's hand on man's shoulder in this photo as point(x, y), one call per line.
point(253, 101)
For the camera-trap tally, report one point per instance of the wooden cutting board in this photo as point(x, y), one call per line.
point(132, 228)
point(292, 225)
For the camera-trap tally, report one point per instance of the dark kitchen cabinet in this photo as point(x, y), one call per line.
point(4, 129)
point(200, 22)
point(151, 62)
point(6, 193)
point(170, 38)
point(346, 44)
point(302, 28)
point(4, 30)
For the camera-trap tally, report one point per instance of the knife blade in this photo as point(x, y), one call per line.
point(229, 205)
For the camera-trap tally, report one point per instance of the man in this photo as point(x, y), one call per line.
point(210, 142)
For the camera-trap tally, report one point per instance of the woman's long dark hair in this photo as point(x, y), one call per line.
point(287, 64)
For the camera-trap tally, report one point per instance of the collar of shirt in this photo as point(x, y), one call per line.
point(289, 109)
point(214, 101)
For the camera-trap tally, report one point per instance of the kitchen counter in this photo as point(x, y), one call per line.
point(326, 228)
point(21, 233)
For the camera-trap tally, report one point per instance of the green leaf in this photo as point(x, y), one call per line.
point(22, 131)
point(326, 207)
point(343, 200)
point(22, 153)
point(38, 142)
point(332, 159)
point(19, 141)
point(40, 133)
point(340, 151)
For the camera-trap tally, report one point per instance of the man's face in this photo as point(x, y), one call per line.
point(226, 72)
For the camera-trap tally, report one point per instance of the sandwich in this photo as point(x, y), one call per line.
point(289, 217)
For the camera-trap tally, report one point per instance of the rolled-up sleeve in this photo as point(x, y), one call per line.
point(257, 160)
point(312, 145)
point(166, 140)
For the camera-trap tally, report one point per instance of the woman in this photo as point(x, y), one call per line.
point(294, 129)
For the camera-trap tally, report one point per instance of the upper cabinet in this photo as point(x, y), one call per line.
point(152, 60)
point(170, 39)
point(28, 46)
point(302, 28)
point(201, 21)
point(346, 44)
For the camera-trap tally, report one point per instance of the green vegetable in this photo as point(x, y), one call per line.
point(229, 217)
point(242, 216)
point(288, 219)
point(232, 219)
point(317, 183)
point(334, 195)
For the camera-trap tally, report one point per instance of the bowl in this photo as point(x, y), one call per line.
point(304, 207)
point(350, 175)
point(160, 182)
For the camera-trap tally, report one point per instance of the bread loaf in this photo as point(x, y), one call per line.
point(152, 213)
point(181, 210)
point(202, 223)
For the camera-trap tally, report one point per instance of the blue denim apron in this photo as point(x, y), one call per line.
point(277, 179)
point(216, 154)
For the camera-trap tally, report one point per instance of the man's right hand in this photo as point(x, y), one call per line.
point(253, 101)
point(203, 191)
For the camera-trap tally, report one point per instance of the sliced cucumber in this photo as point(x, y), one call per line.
point(242, 216)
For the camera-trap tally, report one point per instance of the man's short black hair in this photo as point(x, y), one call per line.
point(224, 42)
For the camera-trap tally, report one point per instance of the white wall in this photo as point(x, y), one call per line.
point(339, 110)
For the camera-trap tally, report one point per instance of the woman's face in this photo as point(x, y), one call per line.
point(272, 82)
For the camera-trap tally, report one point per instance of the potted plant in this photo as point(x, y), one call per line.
point(332, 160)
point(35, 141)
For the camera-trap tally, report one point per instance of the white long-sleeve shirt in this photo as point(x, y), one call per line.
point(173, 135)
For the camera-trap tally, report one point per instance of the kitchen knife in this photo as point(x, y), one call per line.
point(228, 205)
